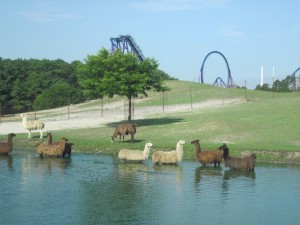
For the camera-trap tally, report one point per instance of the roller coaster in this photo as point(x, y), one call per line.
point(219, 81)
point(127, 44)
point(295, 83)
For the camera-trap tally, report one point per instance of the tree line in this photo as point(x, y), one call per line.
point(287, 84)
point(33, 84)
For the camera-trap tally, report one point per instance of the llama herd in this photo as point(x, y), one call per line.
point(207, 157)
point(63, 148)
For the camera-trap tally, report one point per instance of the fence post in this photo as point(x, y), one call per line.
point(101, 107)
point(191, 97)
point(163, 101)
point(246, 91)
point(68, 108)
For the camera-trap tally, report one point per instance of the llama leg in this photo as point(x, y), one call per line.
point(41, 134)
point(29, 134)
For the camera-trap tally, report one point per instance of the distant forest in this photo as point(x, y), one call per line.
point(31, 84)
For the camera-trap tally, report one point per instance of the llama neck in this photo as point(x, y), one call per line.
point(49, 138)
point(9, 142)
point(9, 139)
point(226, 153)
point(62, 143)
point(146, 151)
point(179, 150)
point(197, 149)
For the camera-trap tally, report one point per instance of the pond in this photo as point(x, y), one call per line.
point(98, 189)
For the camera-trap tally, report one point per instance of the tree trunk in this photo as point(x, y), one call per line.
point(129, 108)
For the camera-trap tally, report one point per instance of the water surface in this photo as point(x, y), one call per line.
point(98, 189)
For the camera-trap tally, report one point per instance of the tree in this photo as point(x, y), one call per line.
point(285, 85)
point(109, 74)
point(57, 95)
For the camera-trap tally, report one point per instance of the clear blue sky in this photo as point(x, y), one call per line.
point(177, 33)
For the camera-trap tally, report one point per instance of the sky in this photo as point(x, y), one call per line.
point(179, 34)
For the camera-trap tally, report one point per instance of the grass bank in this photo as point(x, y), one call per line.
point(262, 123)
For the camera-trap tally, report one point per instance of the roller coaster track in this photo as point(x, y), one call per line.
point(219, 80)
point(295, 82)
point(127, 44)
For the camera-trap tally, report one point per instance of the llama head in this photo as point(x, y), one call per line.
point(181, 142)
point(149, 144)
point(195, 141)
point(225, 150)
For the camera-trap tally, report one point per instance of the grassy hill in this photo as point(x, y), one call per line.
point(259, 122)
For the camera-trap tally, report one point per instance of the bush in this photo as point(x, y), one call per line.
point(59, 94)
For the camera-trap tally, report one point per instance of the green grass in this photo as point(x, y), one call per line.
point(263, 125)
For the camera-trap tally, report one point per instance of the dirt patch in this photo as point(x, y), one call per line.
point(85, 116)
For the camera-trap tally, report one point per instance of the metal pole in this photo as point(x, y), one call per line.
point(246, 91)
point(191, 97)
point(163, 101)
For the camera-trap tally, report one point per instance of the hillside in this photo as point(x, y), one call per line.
point(245, 120)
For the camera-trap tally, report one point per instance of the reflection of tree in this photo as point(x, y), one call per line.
point(8, 159)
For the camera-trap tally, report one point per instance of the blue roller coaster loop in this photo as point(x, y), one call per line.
point(127, 44)
point(230, 82)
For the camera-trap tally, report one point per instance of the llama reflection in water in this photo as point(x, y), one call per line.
point(206, 172)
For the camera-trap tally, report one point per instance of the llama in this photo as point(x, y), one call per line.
point(169, 157)
point(68, 146)
point(7, 147)
point(124, 129)
point(236, 163)
point(33, 125)
point(135, 155)
point(207, 157)
point(49, 140)
point(54, 149)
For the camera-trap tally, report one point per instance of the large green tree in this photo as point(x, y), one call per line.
point(109, 74)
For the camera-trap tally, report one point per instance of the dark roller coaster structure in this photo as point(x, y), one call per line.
point(295, 81)
point(127, 44)
point(219, 81)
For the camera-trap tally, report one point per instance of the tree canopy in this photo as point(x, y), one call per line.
point(285, 85)
point(109, 74)
point(22, 82)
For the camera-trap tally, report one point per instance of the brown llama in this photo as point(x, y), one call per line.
point(54, 149)
point(236, 163)
point(124, 129)
point(207, 157)
point(7, 147)
point(68, 146)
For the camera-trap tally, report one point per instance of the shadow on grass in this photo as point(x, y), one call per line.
point(128, 140)
point(148, 122)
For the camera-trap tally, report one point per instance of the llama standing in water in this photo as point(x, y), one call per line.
point(235, 163)
point(169, 157)
point(207, 157)
point(7, 147)
point(135, 155)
